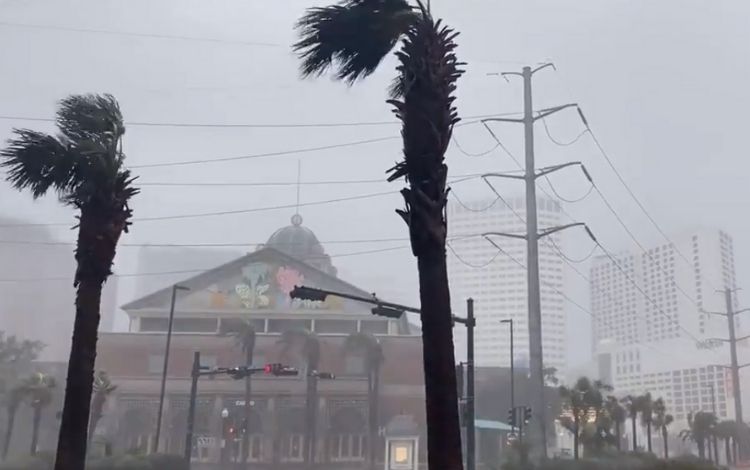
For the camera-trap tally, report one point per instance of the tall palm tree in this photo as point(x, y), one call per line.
point(700, 427)
point(585, 402)
point(103, 388)
point(13, 400)
point(245, 339)
point(353, 37)
point(39, 390)
point(632, 406)
point(372, 350)
point(307, 343)
point(646, 407)
point(617, 416)
point(84, 165)
point(661, 421)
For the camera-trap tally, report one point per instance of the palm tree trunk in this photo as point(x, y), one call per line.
point(9, 431)
point(635, 439)
point(443, 430)
point(99, 231)
point(727, 451)
point(648, 436)
point(665, 437)
point(248, 412)
point(576, 438)
point(35, 429)
point(372, 419)
point(702, 448)
point(311, 418)
point(716, 449)
point(71, 447)
point(97, 406)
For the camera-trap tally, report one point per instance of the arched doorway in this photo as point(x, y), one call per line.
point(347, 436)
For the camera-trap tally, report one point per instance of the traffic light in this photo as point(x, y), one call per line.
point(325, 375)
point(279, 370)
point(387, 312)
point(308, 293)
point(526, 414)
point(512, 416)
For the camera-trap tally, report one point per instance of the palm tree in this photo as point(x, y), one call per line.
point(700, 427)
point(585, 402)
point(245, 338)
point(38, 389)
point(617, 416)
point(632, 406)
point(353, 37)
point(13, 400)
point(661, 421)
point(103, 388)
point(84, 165)
point(727, 431)
point(372, 350)
point(646, 407)
point(306, 343)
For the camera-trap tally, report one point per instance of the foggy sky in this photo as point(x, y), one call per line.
point(663, 84)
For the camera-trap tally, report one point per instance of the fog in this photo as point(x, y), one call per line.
point(661, 83)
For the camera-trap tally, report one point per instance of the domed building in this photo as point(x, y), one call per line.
point(218, 305)
point(301, 243)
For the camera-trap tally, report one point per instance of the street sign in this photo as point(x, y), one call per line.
point(206, 441)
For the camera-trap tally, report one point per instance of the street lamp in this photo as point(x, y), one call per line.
point(175, 288)
point(509, 321)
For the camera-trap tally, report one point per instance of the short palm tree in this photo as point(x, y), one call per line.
point(84, 165)
point(39, 390)
point(245, 339)
point(617, 416)
point(727, 431)
point(307, 344)
point(632, 407)
point(700, 428)
point(103, 388)
point(585, 402)
point(353, 37)
point(661, 421)
point(13, 399)
point(646, 407)
point(372, 350)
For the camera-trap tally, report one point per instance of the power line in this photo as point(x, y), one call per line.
point(569, 201)
point(558, 142)
point(469, 154)
point(187, 271)
point(203, 245)
point(279, 183)
point(237, 211)
point(141, 35)
point(298, 125)
point(466, 207)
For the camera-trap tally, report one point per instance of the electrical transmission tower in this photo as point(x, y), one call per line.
point(537, 427)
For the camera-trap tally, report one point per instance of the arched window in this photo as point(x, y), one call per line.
point(292, 434)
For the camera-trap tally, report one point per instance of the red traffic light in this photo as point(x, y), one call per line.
point(279, 370)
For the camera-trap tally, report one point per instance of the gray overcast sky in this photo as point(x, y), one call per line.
point(663, 83)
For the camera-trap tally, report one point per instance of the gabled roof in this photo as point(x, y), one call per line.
point(208, 278)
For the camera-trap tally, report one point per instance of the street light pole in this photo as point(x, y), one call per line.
point(194, 375)
point(175, 288)
point(512, 372)
point(470, 415)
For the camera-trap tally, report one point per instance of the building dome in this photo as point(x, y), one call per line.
point(301, 243)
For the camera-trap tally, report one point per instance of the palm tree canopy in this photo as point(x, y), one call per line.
point(367, 344)
point(102, 383)
point(352, 37)
point(646, 407)
point(38, 388)
point(304, 341)
point(615, 410)
point(81, 163)
point(700, 426)
point(632, 405)
point(245, 336)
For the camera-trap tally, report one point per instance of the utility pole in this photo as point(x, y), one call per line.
point(538, 425)
point(470, 414)
point(512, 371)
point(170, 322)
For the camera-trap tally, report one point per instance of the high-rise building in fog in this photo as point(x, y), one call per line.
point(663, 342)
point(498, 283)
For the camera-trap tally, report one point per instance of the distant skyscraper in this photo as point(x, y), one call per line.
point(665, 344)
point(498, 283)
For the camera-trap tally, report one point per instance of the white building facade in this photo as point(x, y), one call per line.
point(663, 342)
point(497, 280)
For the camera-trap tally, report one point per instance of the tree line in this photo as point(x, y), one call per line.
point(596, 418)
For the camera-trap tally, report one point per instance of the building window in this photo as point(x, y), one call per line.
point(374, 327)
point(279, 326)
point(235, 325)
point(291, 448)
point(255, 446)
point(335, 326)
point(195, 325)
point(152, 324)
point(348, 447)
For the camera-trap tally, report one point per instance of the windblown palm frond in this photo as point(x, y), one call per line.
point(352, 37)
point(304, 341)
point(82, 164)
point(366, 344)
